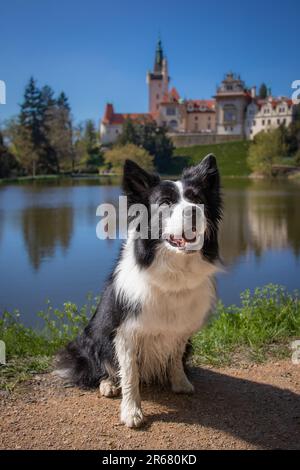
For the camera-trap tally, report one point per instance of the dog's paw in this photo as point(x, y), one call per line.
point(108, 389)
point(132, 417)
point(183, 386)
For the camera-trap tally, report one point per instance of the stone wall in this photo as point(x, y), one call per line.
point(187, 140)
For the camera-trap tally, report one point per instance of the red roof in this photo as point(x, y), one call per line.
point(171, 97)
point(110, 117)
point(174, 94)
point(209, 104)
point(273, 101)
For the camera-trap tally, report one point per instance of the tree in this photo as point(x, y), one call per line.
point(266, 150)
point(21, 145)
point(29, 134)
point(92, 145)
point(263, 91)
point(48, 158)
point(130, 133)
point(59, 132)
point(118, 154)
point(8, 163)
point(152, 138)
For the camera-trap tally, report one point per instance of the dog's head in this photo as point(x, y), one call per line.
point(182, 216)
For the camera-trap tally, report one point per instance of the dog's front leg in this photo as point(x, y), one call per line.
point(179, 381)
point(131, 412)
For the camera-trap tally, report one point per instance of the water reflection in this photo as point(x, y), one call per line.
point(50, 229)
point(45, 229)
point(259, 219)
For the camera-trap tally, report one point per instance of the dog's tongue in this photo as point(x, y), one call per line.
point(179, 241)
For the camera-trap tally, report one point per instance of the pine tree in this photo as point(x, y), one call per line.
point(94, 156)
point(48, 157)
point(263, 91)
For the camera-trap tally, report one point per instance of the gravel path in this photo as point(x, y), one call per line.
point(250, 407)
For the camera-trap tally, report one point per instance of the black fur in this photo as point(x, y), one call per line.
point(86, 357)
point(91, 357)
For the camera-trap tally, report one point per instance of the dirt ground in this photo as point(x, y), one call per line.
point(250, 407)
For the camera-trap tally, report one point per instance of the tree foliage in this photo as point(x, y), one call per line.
point(263, 91)
point(43, 138)
point(8, 163)
point(266, 150)
point(152, 138)
point(116, 157)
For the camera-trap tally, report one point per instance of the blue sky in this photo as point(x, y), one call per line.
point(99, 51)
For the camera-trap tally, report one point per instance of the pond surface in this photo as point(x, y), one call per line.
point(49, 248)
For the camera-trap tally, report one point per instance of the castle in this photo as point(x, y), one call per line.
point(234, 113)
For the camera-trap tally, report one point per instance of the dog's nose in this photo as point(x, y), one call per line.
point(189, 237)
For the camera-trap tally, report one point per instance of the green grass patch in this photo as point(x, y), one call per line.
point(231, 157)
point(262, 326)
point(30, 351)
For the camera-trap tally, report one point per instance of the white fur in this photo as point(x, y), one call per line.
point(175, 223)
point(176, 294)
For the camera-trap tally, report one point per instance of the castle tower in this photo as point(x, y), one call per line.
point(232, 99)
point(158, 80)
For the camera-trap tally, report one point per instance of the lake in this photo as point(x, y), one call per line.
point(49, 248)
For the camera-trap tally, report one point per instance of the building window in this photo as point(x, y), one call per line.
point(254, 122)
point(230, 113)
point(209, 118)
point(269, 122)
point(208, 126)
point(284, 121)
point(278, 121)
point(171, 111)
point(263, 122)
point(196, 118)
point(173, 124)
point(157, 96)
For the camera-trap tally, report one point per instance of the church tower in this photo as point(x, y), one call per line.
point(158, 80)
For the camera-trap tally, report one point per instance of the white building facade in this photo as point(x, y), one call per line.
point(267, 114)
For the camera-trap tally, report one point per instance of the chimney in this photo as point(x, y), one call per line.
point(253, 92)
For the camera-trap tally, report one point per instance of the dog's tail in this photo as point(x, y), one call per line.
point(80, 363)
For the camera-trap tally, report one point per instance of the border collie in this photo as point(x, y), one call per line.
point(159, 294)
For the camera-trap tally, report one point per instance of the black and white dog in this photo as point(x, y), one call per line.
point(159, 294)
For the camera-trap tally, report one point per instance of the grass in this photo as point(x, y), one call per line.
point(231, 157)
point(262, 326)
point(30, 351)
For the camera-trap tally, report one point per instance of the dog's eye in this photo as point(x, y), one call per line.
point(192, 195)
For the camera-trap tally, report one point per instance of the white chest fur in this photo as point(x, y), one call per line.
point(175, 294)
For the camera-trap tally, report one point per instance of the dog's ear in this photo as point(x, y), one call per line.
point(137, 182)
point(205, 173)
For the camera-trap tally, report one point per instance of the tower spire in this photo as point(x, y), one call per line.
point(159, 56)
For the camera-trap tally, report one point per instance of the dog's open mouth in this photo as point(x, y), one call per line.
point(181, 241)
